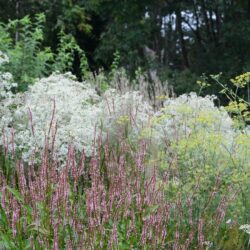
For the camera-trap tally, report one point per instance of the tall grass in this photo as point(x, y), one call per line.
point(107, 201)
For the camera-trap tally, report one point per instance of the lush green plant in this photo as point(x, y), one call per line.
point(197, 142)
point(109, 203)
point(65, 57)
point(239, 103)
point(22, 41)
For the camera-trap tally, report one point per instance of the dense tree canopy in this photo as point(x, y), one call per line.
point(179, 39)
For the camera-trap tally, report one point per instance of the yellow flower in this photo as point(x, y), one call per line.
point(123, 119)
point(241, 80)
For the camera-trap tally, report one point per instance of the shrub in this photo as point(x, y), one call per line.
point(8, 100)
point(190, 113)
point(75, 112)
point(22, 41)
point(197, 141)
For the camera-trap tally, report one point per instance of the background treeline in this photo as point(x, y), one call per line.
point(180, 40)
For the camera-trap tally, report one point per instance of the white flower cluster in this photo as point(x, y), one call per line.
point(6, 81)
point(7, 99)
point(3, 58)
point(245, 228)
point(190, 113)
point(74, 111)
point(74, 119)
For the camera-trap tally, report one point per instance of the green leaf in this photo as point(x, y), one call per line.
point(16, 194)
point(3, 218)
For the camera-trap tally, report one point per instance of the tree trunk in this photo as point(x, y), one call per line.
point(206, 20)
point(181, 38)
point(17, 16)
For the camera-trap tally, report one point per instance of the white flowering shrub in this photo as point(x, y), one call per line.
point(56, 105)
point(210, 147)
point(8, 101)
point(73, 112)
point(190, 113)
point(195, 141)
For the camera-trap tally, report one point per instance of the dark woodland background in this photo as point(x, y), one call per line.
point(180, 40)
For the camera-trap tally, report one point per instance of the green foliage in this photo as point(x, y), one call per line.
point(6, 165)
point(196, 153)
point(72, 16)
point(37, 219)
point(181, 81)
point(116, 62)
point(66, 52)
point(23, 44)
point(207, 36)
point(22, 40)
point(238, 100)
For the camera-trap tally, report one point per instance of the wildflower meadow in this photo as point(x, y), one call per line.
point(105, 161)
